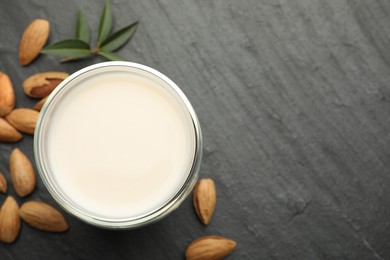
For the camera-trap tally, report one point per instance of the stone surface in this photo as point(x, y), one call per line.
point(293, 97)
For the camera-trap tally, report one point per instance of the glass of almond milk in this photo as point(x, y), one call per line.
point(118, 145)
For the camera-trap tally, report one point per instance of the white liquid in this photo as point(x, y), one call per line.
point(120, 145)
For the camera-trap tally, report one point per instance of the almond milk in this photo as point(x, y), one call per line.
point(117, 145)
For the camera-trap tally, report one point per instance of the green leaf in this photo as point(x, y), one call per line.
point(119, 38)
point(105, 22)
point(111, 56)
point(69, 48)
point(82, 29)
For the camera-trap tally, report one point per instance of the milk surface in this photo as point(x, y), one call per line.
point(120, 145)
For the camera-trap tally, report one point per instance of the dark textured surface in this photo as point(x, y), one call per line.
point(293, 97)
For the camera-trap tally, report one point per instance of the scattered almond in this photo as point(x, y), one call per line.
point(7, 95)
point(22, 173)
point(8, 133)
point(43, 216)
point(23, 119)
point(38, 106)
point(33, 40)
point(3, 183)
point(42, 84)
point(210, 248)
point(9, 220)
point(205, 197)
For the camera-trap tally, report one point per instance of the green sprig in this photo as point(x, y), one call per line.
point(107, 44)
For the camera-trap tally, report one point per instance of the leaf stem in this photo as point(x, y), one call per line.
point(69, 59)
point(95, 51)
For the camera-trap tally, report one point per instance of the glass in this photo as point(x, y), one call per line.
point(54, 188)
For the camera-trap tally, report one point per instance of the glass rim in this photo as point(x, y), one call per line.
point(123, 223)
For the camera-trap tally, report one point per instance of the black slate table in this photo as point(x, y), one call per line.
point(293, 97)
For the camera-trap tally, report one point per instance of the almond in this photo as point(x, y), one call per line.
point(7, 95)
point(3, 183)
point(22, 173)
point(33, 40)
point(9, 220)
point(210, 248)
point(8, 133)
point(23, 119)
point(42, 84)
point(205, 197)
point(43, 216)
point(38, 106)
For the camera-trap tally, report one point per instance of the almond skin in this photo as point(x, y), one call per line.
point(22, 173)
point(9, 220)
point(23, 119)
point(42, 216)
point(33, 40)
point(38, 106)
point(8, 133)
point(205, 197)
point(42, 84)
point(3, 183)
point(210, 248)
point(7, 95)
